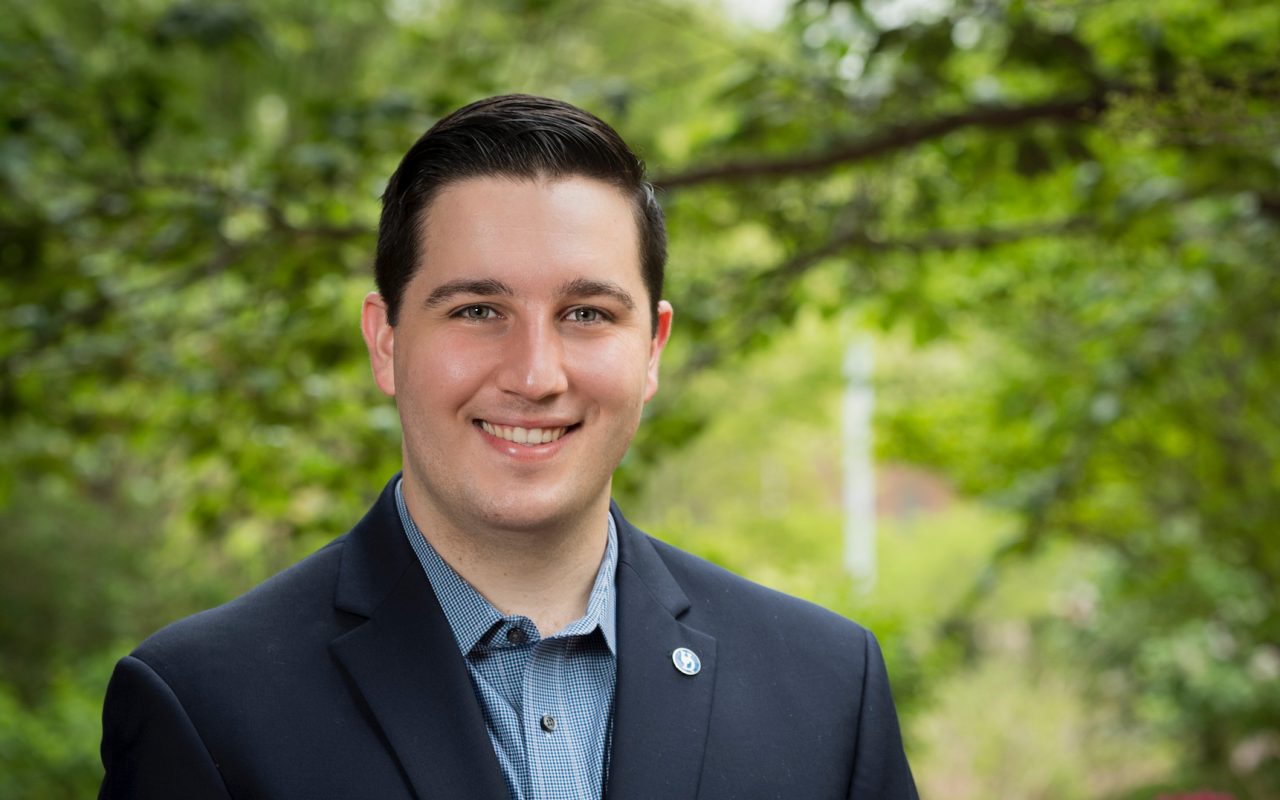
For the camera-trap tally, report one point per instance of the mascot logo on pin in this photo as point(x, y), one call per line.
point(686, 661)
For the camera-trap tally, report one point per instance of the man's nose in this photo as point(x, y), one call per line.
point(533, 361)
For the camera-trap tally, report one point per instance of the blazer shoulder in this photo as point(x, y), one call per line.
point(298, 609)
point(272, 615)
point(717, 592)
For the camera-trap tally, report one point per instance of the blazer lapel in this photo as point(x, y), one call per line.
point(405, 663)
point(661, 716)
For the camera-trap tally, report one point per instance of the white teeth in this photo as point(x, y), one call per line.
point(527, 436)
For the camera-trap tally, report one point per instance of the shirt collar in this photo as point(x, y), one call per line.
point(471, 616)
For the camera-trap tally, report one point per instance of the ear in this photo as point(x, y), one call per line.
point(380, 338)
point(660, 336)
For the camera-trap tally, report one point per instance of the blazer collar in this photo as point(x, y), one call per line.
point(404, 662)
point(661, 716)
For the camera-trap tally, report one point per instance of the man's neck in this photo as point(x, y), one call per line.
point(544, 574)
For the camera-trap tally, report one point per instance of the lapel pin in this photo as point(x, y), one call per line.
point(686, 661)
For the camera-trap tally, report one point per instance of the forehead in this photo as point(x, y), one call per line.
point(531, 228)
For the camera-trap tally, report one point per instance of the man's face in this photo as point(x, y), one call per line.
point(523, 353)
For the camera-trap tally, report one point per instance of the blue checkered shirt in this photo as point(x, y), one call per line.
point(547, 702)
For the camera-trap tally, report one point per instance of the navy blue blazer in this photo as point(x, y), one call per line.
point(340, 678)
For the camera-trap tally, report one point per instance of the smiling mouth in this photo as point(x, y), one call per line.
point(525, 436)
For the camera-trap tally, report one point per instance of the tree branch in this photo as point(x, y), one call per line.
point(894, 138)
point(977, 239)
point(793, 268)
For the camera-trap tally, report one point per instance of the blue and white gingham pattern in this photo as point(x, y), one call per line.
point(520, 678)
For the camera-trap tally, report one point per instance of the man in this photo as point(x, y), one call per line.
point(494, 628)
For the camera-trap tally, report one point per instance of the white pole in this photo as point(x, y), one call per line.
point(859, 472)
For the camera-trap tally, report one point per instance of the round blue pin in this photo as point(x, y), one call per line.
point(686, 661)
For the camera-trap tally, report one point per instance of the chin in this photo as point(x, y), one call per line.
point(525, 520)
point(534, 514)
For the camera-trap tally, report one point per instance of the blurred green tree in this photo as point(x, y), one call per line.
point(188, 192)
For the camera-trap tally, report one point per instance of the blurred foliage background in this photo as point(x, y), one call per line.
point(1058, 220)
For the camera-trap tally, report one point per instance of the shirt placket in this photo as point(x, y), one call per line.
point(551, 728)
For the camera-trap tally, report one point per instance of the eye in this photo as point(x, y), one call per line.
point(586, 314)
point(476, 312)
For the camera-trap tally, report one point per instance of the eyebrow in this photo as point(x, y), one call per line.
point(485, 287)
point(488, 287)
point(585, 287)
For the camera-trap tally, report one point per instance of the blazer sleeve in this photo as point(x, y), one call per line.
point(150, 748)
point(880, 770)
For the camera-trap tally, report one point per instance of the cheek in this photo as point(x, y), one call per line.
point(452, 367)
point(611, 371)
point(442, 372)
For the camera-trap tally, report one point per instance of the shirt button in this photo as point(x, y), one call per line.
point(548, 723)
point(515, 636)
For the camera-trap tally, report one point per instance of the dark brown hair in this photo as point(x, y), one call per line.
point(517, 136)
